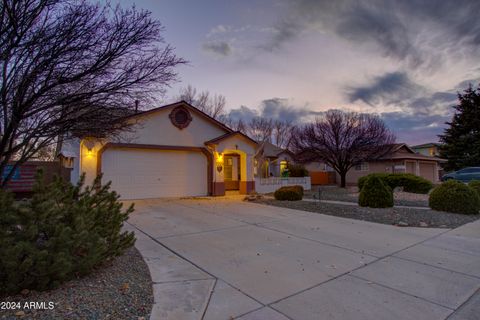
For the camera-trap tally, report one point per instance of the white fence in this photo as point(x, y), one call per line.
point(267, 185)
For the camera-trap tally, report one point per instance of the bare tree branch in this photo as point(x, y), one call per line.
point(213, 106)
point(342, 140)
point(74, 68)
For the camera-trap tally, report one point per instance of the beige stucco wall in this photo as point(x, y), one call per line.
point(236, 145)
point(373, 167)
point(388, 167)
point(157, 128)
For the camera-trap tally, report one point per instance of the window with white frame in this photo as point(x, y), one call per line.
point(362, 166)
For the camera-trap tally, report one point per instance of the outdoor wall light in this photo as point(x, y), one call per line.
point(89, 145)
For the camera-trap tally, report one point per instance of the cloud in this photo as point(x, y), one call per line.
point(218, 48)
point(415, 128)
point(389, 88)
point(285, 31)
point(218, 30)
point(398, 90)
point(475, 82)
point(276, 109)
point(243, 113)
point(418, 32)
point(412, 128)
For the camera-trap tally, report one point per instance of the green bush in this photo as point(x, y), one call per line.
point(454, 196)
point(361, 181)
point(290, 193)
point(298, 189)
point(409, 182)
point(375, 194)
point(64, 231)
point(297, 170)
point(475, 185)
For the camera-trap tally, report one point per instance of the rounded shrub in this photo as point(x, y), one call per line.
point(454, 196)
point(362, 180)
point(475, 185)
point(62, 232)
point(409, 182)
point(290, 193)
point(375, 194)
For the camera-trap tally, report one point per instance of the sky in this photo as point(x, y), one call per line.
point(295, 59)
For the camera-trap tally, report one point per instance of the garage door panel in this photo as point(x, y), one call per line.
point(427, 171)
point(138, 174)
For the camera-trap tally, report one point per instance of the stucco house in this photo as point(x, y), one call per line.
point(172, 151)
point(271, 160)
point(401, 159)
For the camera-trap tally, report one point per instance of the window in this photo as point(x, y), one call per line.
point(180, 117)
point(362, 166)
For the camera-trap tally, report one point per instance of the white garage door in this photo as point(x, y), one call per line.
point(141, 174)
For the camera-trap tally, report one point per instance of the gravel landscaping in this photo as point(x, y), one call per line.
point(395, 216)
point(122, 289)
point(350, 194)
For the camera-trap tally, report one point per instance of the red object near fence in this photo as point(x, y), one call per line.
point(24, 176)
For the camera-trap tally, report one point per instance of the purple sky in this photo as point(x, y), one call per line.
point(403, 60)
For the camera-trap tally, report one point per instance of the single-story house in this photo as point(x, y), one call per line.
point(401, 159)
point(171, 151)
point(271, 160)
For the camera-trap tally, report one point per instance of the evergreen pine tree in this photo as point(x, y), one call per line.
point(461, 141)
point(62, 232)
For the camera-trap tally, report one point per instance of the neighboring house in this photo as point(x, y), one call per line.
point(271, 161)
point(402, 159)
point(427, 149)
point(171, 151)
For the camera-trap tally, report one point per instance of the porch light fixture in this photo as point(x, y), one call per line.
point(219, 160)
point(89, 145)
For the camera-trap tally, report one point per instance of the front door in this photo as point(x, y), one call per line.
point(232, 172)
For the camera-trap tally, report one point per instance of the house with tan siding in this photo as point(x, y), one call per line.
point(402, 159)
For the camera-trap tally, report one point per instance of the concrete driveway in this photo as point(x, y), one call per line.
point(227, 259)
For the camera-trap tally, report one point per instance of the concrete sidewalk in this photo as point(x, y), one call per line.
point(226, 259)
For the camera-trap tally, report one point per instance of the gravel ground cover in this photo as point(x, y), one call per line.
point(351, 195)
point(122, 289)
point(394, 216)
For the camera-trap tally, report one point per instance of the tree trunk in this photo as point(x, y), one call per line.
point(343, 179)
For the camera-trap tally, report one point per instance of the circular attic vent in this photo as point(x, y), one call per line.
point(180, 117)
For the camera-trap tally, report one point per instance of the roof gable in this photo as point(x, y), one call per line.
point(185, 105)
point(270, 150)
point(230, 135)
point(402, 148)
